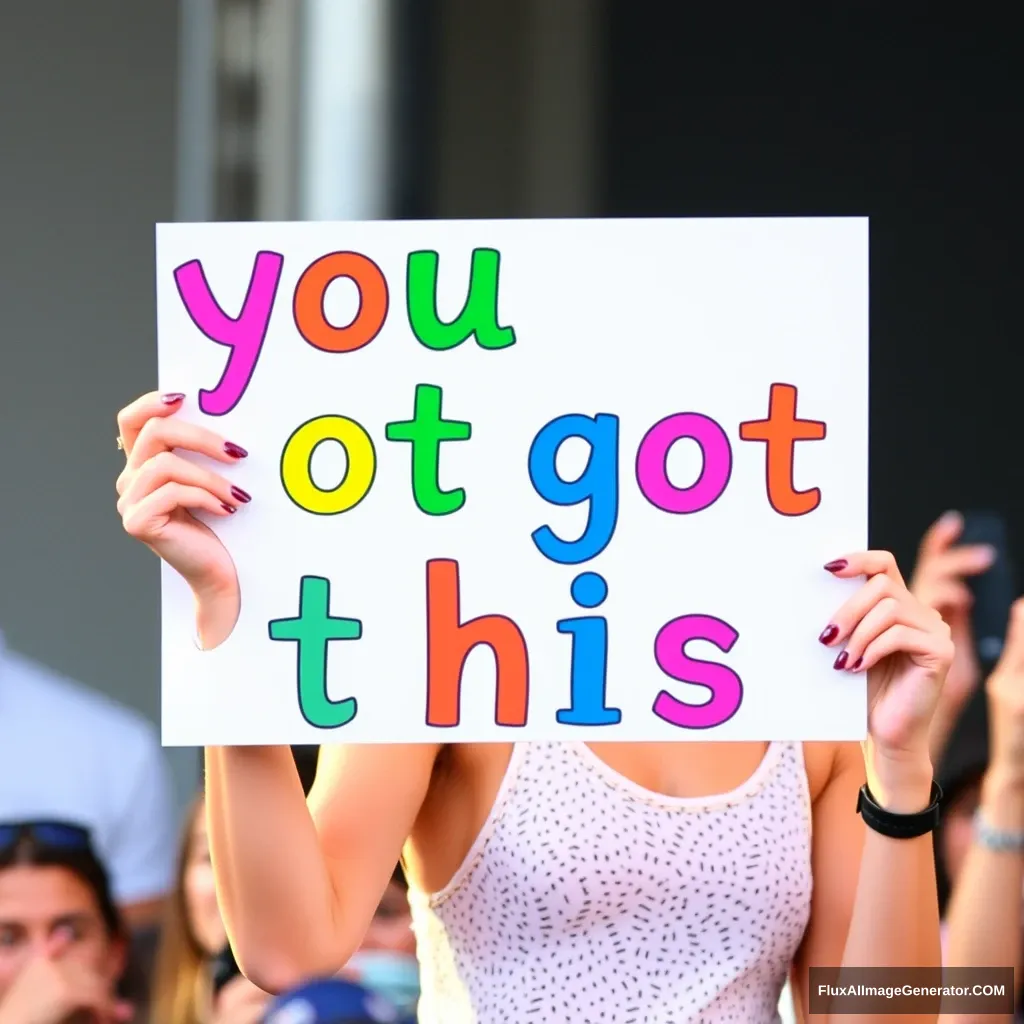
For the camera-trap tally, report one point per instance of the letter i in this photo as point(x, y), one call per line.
point(589, 657)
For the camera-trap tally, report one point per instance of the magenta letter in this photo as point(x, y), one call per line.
point(725, 686)
point(243, 335)
point(653, 451)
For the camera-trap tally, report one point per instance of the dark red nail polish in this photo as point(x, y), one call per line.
point(857, 664)
point(243, 496)
point(172, 398)
point(829, 633)
point(234, 450)
point(840, 662)
point(228, 508)
point(837, 566)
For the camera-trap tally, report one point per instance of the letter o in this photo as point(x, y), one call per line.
point(308, 305)
point(297, 458)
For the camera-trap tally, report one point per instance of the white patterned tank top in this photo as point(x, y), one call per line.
point(587, 898)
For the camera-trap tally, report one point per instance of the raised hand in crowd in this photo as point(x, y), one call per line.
point(985, 920)
point(939, 582)
point(55, 988)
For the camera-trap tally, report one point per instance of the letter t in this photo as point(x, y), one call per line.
point(425, 431)
point(312, 629)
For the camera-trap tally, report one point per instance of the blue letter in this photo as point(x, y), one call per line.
point(598, 484)
point(589, 657)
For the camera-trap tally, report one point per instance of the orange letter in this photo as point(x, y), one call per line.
point(780, 432)
point(449, 642)
point(308, 305)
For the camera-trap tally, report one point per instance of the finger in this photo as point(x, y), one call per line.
point(164, 435)
point(940, 535)
point(166, 468)
point(132, 418)
point(920, 644)
point(144, 520)
point(886, 613)
point(947, 596)
point(968, 560)
point(865, 563)
point(121, 1012)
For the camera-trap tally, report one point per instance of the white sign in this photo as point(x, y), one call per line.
point(523, 480)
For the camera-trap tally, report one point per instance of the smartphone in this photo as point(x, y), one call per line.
point(994, 590)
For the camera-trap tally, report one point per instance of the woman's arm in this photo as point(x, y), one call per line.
point(875, 902)
point(984, 917)
point(298, 885)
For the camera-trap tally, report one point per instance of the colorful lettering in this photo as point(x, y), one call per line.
point(425, 432)
point(651, 457)
point(243, 334)
point(780, 432)
point(598, 484)
point(313, 629)
point(725, 686)
point(589, 657)
point(308, 304)
point(297, 458)
point(449, 642)
point(479, 314)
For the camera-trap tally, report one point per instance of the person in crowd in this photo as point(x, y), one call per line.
point(385, 962)
point(62, 942)
point(939, 581)
point(69, 753)
point(333, 1001)
point(980, 843)
point(191, 955)
point(659, 881)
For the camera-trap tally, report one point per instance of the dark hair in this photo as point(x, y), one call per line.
point(29, 850)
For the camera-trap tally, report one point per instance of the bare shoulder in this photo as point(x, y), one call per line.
point(826, 761)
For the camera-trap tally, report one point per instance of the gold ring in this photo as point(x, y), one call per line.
point(120, 444)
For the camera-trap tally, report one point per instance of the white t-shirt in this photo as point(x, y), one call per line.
point(71, 754)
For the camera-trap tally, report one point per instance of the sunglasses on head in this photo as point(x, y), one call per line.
point(61, 835)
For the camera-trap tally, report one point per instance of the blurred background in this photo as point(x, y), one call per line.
point(116, 114)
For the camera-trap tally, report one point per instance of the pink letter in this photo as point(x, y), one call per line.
point(653, 451)
point(243, 335)
point(725, 686)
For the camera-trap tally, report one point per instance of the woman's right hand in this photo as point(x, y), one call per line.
point(158, 492)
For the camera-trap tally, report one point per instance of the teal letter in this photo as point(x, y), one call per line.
point(479, 315)
point(425, 431)
point(312, 629)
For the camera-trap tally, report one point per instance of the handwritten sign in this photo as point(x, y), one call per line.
point(523, 480)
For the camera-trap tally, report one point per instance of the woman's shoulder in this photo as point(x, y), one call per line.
point(825, 760)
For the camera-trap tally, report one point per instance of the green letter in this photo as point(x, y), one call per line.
point(425, 431)
point(479, 315)
point(312, 629)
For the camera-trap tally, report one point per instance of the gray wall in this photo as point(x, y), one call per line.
point(87, 162)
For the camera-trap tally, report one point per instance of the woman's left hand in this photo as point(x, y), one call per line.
point(906, 650)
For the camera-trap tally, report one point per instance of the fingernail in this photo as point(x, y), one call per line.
point(228, 508)
point(234, 450)
point(243, 496)
point(857, 664)
point(950, 518)
point(828, 634)
point(986, 554)
point(172, 398)
point(840, 662)
point(837, 566)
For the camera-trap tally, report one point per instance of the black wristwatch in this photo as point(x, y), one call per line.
point(899, 826)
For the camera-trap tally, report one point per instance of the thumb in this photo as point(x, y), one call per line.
point(941, 534)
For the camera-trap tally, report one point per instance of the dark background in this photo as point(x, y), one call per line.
point(906, 114)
